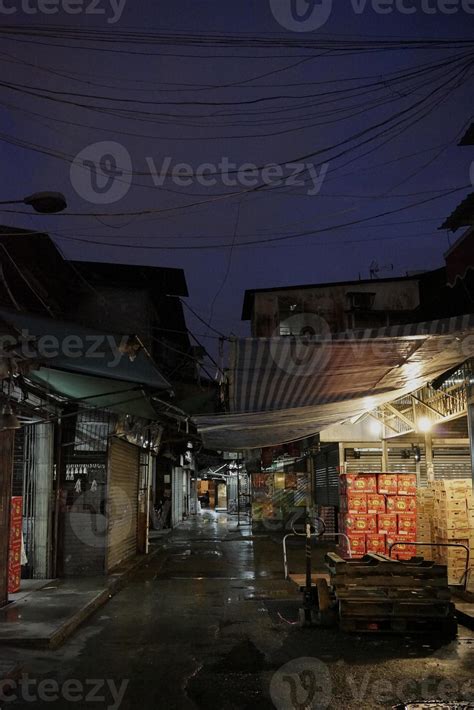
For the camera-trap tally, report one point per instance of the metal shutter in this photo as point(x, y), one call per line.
point(453, 462)
point(367, 461)
point(122, 502)
point(397, 463)
point(326, 472)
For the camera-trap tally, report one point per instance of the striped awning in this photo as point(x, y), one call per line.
point(288, 388)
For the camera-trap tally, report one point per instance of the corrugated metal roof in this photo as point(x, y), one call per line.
point(284, 389)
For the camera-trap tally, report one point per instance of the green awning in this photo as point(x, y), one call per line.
point(117, 395)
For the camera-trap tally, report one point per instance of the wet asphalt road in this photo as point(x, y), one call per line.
point(208, 624)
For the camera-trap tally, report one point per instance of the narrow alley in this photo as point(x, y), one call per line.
point(208, 624)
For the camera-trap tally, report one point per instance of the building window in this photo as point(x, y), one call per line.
point(361, 301)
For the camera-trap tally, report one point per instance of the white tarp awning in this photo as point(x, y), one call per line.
point(286, 388)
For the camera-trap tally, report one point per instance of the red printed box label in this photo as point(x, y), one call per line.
point(355, 503)
point(401, 504)
point(375, 503)
point(407, 525)
point(406, 484)
point(376, 544)
point(360, 523)
point(387, 484)
point(387, 524)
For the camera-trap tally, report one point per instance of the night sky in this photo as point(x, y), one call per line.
point(414, 159)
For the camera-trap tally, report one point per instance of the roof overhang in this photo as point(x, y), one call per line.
point(116, 395)
point(74, 348)
point(285, 389)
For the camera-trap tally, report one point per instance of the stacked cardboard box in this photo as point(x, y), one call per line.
point(425, 501)
point(14, 557)
point(378, 510)
point(452, 524)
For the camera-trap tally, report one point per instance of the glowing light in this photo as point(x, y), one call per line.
point(375, 428)
point(424, 425)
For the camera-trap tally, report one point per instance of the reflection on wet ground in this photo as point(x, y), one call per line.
point(210, 623)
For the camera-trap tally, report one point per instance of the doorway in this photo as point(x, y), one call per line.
point(221, 496)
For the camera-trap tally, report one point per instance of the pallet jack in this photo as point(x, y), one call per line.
point(376, 593)
point(317, 608)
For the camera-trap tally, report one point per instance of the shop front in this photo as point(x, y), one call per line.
point(279, 498)
point(100, 480)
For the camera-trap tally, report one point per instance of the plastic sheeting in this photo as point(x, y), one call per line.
point(284, 389)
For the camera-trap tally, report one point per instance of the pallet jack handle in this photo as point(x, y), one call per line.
point(319, 537)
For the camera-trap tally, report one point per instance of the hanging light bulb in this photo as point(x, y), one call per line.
point(8, 419)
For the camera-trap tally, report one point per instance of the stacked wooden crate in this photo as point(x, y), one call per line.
point(379, 594)
point(453, 524)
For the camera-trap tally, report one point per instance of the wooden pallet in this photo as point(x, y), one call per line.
point(442, 628)
point(379, 594)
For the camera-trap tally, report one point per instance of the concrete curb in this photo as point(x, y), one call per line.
point(114, 583)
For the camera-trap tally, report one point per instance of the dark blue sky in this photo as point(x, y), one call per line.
point(404, 170)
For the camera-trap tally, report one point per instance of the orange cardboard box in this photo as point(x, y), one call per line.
point(358, 545)
point(359, 482)
point(407, 525)
point(387, 483)
point(406, 484)
point(375, 503)
point(354, 503)
point(401, 504)
point(404, 552)
point(14, 555)
point(360, 523)
point(16, 508)
point(387, 524)
point(376, 544)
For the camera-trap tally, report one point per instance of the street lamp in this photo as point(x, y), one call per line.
point(42, 202)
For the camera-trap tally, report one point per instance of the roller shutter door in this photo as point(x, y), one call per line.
point(360, 461)
point(326, 473)
point(400, 463)
point(451, 463)
point(122, 502)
